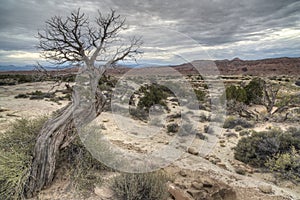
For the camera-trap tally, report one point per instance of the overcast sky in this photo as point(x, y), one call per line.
point(174, 31)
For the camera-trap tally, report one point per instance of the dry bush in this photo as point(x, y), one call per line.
point(16, 150)
point(232, 122)
point(147, 186)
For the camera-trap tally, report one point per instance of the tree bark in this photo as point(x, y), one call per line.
point(54, 135)
point(50, 138)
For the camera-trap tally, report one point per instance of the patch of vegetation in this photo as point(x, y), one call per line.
point(238, 128)
point(147, 186)
point(245, 132)
point(200, 94)
point(236, 93)
point(286, 165)
point(254, 90)
point(232, 122)
point(22, 96)
point(16, 151)
point(107, 82)
point(13, 79)
point(260, 146)
point(82, 166)
point(172, 128)
point(39, 95)
point(151, 95)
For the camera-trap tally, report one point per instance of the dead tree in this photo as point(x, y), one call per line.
point(270, 91)
point(75, 40)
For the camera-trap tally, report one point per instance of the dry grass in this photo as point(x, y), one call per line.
point(16, 147)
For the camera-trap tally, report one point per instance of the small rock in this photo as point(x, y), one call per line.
point(221, 165)
point(177, 193)
point(230, 134)
point(207, 183)
point(197, 185)
point(267, 189)
point(240, 170)
point(193, 151)
point(105, 120)
point(194, 193)
point(103, 192)
point(223, 145)
point(182, 173)
point(171, 133)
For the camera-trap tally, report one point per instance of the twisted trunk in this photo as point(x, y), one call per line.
point(49, 141)
point(56, 133)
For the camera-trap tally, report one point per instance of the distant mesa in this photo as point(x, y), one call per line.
point(236, 66)
point(236, 59)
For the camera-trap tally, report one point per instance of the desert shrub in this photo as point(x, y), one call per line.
point(21, 96)
point(232, 122)
point(257, 148)
point(12, 79)
point(16, 150)
point(236, 93)
point(238, 128)
point(107, 82)
point(254, 90)
point(147, 186)
point(153, 94)
point(172, 128)
point(287, 165)
point(200, 94)
point(244, 132)
point(82, 167)
point(68, 78)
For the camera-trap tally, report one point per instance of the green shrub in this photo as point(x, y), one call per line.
point(172, 128)
point(200, 94)
point(287, 165)
point(238, 128)
point(236, 93)
point(257, 148)
point(244, 132)
point(153, 94)
point(147, 186)
point(21, 96)
point(254, 90)
point(232, 122)
point(16, 150)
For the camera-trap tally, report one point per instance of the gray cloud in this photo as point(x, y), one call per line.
point(211, 23)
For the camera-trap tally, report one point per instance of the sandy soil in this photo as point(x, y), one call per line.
point(17, 108)
point(218, 165)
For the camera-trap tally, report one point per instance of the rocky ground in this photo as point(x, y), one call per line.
point(213, 176)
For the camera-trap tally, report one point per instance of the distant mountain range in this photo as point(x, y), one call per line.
point(264, 67)
point(269, 67)
point(29, 67)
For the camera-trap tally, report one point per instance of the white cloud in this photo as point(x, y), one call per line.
point(225, 29)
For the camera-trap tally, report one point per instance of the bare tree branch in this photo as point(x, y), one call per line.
point(75, 40)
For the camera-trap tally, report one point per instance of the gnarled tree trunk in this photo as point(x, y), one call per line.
point(49, 141)
point(55, 134)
